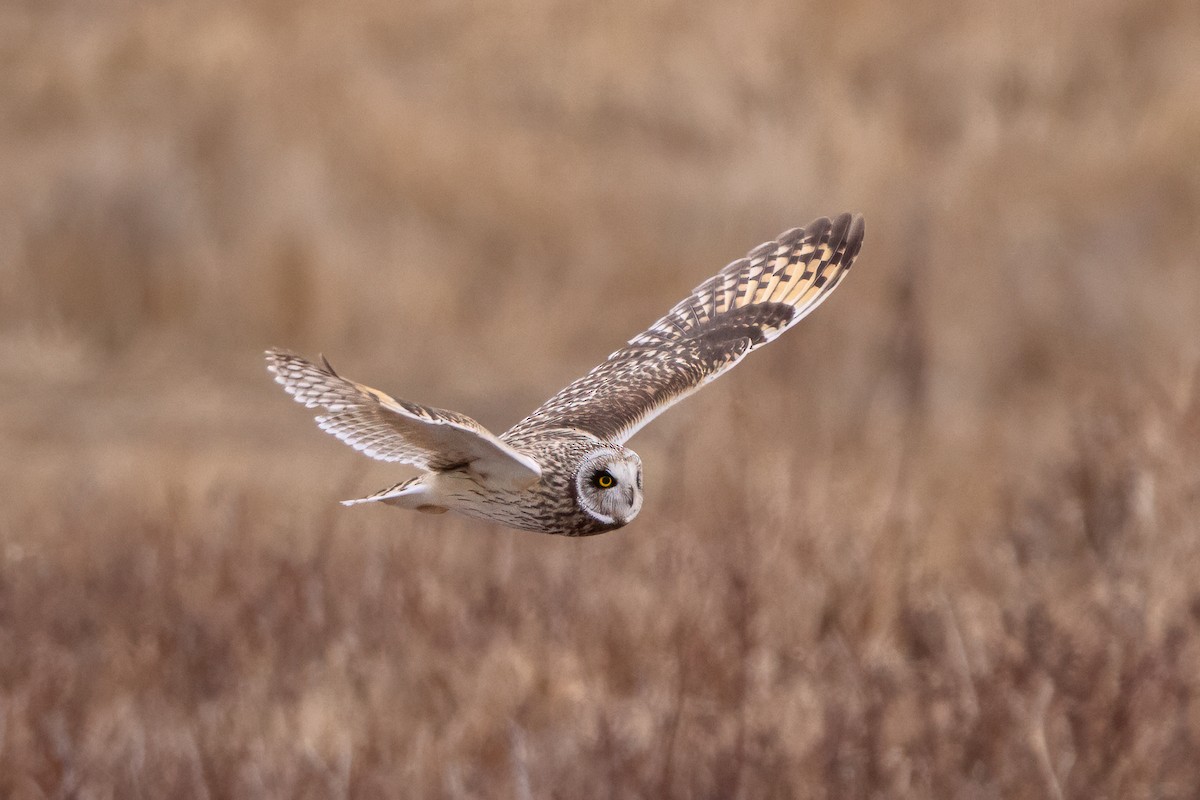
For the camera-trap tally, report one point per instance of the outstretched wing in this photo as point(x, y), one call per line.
point(741, 308)
point(396, 430)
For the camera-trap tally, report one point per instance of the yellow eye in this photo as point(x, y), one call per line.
point(605, 481)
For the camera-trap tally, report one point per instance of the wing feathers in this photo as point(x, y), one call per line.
point(748, 303)
point(387, 429)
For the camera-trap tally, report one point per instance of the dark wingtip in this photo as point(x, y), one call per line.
point(844, 234)
point(817, 229)
point(841, 225)
point(854, 237)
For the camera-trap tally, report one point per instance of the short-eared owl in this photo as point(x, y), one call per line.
point(564, 468)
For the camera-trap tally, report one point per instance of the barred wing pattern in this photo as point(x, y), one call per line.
point(388, 429)
point(744, 306)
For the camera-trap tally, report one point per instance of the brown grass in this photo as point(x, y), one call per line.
point(941, 542)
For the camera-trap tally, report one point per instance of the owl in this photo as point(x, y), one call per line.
point(565, 469)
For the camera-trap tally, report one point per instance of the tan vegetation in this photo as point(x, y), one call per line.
point(941, 541)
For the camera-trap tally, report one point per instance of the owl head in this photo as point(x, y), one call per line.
point(609, 485)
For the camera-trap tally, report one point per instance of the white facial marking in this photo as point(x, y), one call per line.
point(607, 486)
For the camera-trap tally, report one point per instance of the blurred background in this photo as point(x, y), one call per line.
point(940, 541)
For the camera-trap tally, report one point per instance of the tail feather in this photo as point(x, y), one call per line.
point(407, 494)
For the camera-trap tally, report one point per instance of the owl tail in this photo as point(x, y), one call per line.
point(413, 493)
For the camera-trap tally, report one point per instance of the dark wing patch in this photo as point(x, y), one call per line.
point(744, 306)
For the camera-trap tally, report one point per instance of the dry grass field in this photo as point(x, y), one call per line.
point(940, 541)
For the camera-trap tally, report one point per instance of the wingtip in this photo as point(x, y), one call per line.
point(847, 231)
point(277, 357)
point(817, 229)
point(854, 236)
point(857, 225)
point(273, 355)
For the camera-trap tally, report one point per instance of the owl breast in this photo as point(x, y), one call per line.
point(551, 505)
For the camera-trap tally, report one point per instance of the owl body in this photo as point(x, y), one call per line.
point(558, 502)
point(565, 469)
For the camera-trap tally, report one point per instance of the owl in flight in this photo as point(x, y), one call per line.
point(564, 469)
